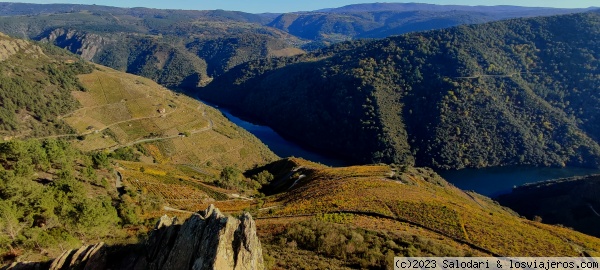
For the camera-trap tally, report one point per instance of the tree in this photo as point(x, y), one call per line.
point(263, 177)
point(9, 223)
point(230, 177)
point(100, 160)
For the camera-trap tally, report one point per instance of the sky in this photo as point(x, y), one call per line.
point(279, 6)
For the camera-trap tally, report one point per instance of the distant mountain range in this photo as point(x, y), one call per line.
point(186, 48)
point(379, 20)
point(374, 7)
point(175, 48)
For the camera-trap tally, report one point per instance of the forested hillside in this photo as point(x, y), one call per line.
point(90, 154)
point(520, 91)
point(37, 88)
point(175, 48)
point(186, 48)
point(380, 20)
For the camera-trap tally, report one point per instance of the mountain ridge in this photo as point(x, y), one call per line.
point(417, 213)
point(435, 7)
point(389, 89)
point(214, 41)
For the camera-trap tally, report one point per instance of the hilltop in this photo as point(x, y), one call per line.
point(511, 92)
point(50, 93)
point(363, 216)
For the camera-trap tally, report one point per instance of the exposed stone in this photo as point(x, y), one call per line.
point(85, 44)
point(207, 240)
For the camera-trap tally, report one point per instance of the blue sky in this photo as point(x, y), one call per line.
point(258, 6)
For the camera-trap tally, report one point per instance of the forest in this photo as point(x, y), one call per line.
point(516, 92)
point(36, 91)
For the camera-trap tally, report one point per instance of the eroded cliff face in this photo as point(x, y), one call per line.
point(85, 44)
point(207, 240)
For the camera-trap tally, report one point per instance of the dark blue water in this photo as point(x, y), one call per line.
point(495, 181)
point(487, 181)
point(278, 144)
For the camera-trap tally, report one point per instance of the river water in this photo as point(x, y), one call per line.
point(496, 181)
point(280, 146)
point(487, 181)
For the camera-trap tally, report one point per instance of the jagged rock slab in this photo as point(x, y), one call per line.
point(207, 240)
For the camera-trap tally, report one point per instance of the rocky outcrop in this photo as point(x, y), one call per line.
point(207, 240)
point(85, 44)
point(10, 46)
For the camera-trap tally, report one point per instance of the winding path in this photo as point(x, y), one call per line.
point(495, 76)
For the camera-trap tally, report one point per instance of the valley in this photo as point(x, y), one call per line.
point(279, 145)
point(491, 182)
point(402, 99)
point(129, 136)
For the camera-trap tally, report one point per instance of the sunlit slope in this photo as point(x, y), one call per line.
point(179, 188)
point(419, 202)
point(120, 110)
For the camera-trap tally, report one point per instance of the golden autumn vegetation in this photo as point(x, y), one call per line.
point(345, 204)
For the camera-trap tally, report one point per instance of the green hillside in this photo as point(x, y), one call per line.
point(36, 82)
point(512, 92)
point(92, 154)
point(174, 48)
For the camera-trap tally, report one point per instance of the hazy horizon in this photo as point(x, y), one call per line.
point(273, 6)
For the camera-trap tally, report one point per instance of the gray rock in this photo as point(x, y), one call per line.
point(207, 240)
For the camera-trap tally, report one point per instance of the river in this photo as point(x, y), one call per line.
point(487, 181)
point(280, 146)
point(496, 181)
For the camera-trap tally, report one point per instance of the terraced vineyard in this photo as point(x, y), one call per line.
point(180, 187)
point(123, 110)
point(419, 198)
point(179, 196)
